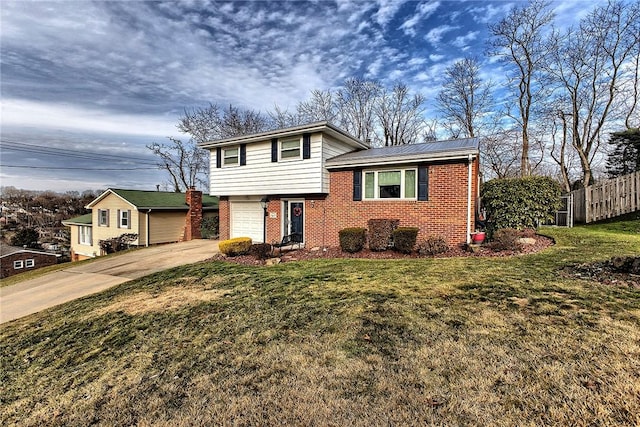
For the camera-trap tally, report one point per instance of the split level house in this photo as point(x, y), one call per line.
point(15, 259)
point(154, 216)
point(314, 180)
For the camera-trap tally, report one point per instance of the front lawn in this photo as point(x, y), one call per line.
point(460, 341)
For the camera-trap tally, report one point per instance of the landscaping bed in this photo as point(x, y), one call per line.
point(541, 242)
point(617, 271)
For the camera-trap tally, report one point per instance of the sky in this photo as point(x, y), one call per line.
point(86, 85)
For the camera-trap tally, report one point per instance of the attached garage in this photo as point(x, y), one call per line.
point(247, 220)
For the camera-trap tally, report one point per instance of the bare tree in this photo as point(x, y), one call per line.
point(519, 41)
point(464, 99)
point(186, 163)
point(589, 67)
point(355, 103)
point(400, 115)
point(320, 107)
point(213, 122)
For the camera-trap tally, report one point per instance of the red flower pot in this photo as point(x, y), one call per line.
point(478, 237)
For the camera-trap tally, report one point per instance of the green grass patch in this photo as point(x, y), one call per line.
point(461, 341)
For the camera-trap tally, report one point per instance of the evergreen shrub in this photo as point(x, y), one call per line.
point(380, 233)
point(235, 246)
point(352, 239)
point(404, 239)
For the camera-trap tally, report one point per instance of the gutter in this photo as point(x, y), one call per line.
point(469, 183)
point(380, 161)
point(148, 227)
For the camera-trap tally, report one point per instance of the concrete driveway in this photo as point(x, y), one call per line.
point(32, 296)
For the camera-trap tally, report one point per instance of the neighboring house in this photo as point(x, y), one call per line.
point(15, 260)
point(155, 216)
point(318, 179)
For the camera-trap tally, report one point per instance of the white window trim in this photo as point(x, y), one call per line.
point(280, 149)
point(124, 213)
point(83, 237)
point(376, 189)
point(17, 265)
point(224, 157)
point(29, 263)
point(100, 223)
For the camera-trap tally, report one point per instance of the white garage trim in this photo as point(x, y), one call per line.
point(246, 220)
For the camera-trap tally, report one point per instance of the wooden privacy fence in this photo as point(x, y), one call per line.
point(607, 199)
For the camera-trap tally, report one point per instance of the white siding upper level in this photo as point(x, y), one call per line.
point(259, 175)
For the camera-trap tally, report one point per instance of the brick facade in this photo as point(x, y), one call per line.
point(444, 214)
point(39, 260)
point(193, 220)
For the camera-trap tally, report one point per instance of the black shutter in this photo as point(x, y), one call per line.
point(306, 146)
point(218, 157)
point(243, 154)
point(423, 183)
point(118, 219)
point(357, 185)
point(274, 150)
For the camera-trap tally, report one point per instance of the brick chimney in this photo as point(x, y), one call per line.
point(194, 216)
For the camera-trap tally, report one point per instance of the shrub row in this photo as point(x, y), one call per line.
point(404, 238)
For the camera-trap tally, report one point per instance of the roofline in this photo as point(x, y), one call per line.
point(104, 194)
point(32, 251)
point(322, 126)
point(77, 223)
point(401, 159)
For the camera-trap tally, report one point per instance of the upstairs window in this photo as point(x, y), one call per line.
point(103, 217)
point(290, 149)
point(231, 157)
point(125, 219)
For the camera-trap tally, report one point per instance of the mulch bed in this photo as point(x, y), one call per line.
point(612, 272)
point(541, 243)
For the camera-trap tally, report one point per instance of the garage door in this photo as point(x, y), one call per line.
point(247, 220)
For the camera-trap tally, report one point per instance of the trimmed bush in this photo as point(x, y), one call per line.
point(352, 239)
point(380, 233)
point(236, 246)
point(433, 245)
point(261, 251)
point(117, 244)
point(520, 202)
point(506, 239)
point(404, 239)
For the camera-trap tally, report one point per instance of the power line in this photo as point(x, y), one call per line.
point(70, 168)
point(40, 149)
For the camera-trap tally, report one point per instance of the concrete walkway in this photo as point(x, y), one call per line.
point(32, 296)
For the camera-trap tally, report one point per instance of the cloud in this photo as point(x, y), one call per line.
point(23, 113)
point(423, 12)
point(488, 13)
point(435, 57)
point(434, 36)
point(463, 41)
point(387, 9)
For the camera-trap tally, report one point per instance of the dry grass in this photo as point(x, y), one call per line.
point(339, 342)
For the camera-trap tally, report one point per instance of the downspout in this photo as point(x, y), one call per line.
point(469, 184)
point(148, 225)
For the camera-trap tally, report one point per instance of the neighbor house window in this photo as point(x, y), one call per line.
point(231, 156)
point(390, 184)
point(18, 265)
point(103, 217)
point(290, 149)
point(84, 236)
point(29, 263)
point(124, 219)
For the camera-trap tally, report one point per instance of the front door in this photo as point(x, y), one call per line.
point(294, 218)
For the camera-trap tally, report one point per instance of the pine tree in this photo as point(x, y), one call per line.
point(624, 158)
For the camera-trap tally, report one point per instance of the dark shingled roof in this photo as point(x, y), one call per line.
point(160, 199)
point(455, 148)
